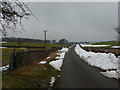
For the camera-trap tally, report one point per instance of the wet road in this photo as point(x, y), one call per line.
point(76, 73)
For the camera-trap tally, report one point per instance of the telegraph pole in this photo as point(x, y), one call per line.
point(45, 32)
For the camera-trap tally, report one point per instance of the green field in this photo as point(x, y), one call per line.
point(48, 46)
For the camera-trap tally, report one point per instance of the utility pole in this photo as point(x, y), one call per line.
point(45, 31)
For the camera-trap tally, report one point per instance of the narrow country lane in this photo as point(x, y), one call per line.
point(76, 73)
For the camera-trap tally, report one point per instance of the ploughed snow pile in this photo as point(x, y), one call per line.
point(58, 63)
point(100, 60)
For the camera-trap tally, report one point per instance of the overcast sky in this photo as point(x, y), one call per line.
point(74, 21)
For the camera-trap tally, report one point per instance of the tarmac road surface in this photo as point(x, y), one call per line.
point(76, 73)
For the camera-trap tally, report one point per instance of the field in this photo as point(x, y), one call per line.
point(48, 46)
point(112, 43)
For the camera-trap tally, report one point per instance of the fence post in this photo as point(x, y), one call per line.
point(12, 62)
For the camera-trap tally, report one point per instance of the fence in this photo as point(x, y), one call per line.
point(5, 58)
point(27, 58)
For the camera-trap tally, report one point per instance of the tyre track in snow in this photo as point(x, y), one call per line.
point(75, 73)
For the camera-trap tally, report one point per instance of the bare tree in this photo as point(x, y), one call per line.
point(11, 14)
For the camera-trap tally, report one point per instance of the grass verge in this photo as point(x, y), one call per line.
point(34, 76)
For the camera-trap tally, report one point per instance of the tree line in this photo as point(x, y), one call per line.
point(14, 39)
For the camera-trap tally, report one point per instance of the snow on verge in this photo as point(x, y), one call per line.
point(100, 60)
point(58, 63)
point(47, 58)
point(52, 81)
point(4, 68)
point(42, 62)
point(64, 50)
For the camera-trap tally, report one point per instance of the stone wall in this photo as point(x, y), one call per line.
point(26, 58)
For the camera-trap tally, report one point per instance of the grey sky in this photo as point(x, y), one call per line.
point(75, 21)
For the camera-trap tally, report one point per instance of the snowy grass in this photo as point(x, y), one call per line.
point(101, 60)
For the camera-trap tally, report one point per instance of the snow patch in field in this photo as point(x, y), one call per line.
point(115, 46)
point(43, 62)
point(23, 48)
point(87, 45)
point(52, 81)
point(2, 47)
point(100, 60)
point(3, 42)
point(58, 63)
point(4, 68)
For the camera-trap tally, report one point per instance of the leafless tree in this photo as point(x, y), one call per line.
point(11, 14)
